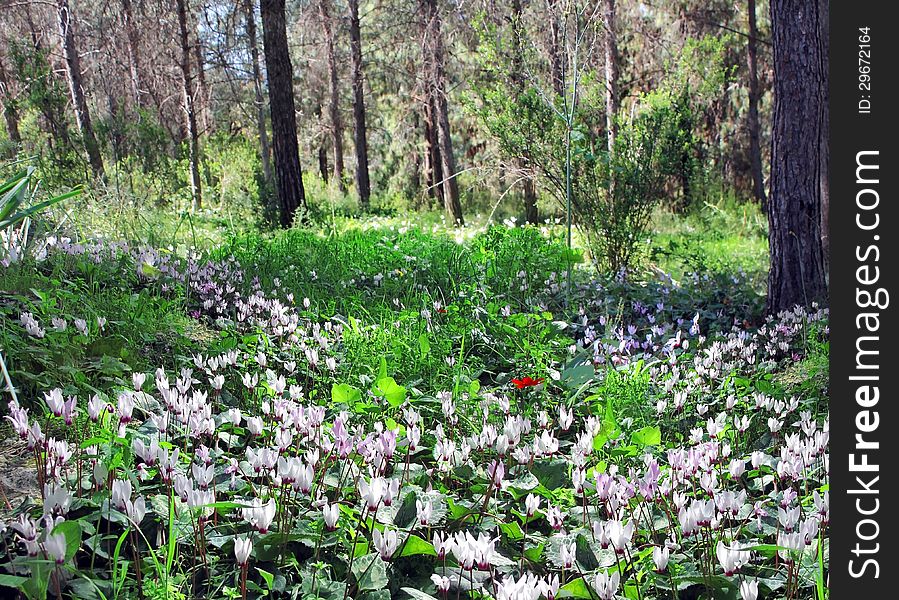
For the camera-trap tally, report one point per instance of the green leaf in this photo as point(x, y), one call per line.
point(370, 572)
point(575, 589)
point(417, 594)
point(415, 545)
point(512, 530)
point(268, 577)
point(584, 554)
point(648, 436)
point(390, 390)
point(424, 345)
point(12, 581)
point(345, 394)
point(552, 474)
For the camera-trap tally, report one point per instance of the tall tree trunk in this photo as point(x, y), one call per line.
point(610, 49)
point(132, 46)
point(529, 189)
point(196, 191)
point(363, 185)
point(261, 129)
point(323, 162)
point(288, 174)
point(556, 60)
point(10, 112)
point(799, 154)
point(203, 94)
point(433, 162)
point(436, 71)
point(334, 89)
point(73, 74)
point(755, 148)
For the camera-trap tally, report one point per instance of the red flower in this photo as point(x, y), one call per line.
point(442, 311)
point(527, 381)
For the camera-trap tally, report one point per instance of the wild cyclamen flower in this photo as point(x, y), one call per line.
point(822, 504)
point(749, 590)
point(242, 548)
point(567, 554)
point(496, 471)
point(386, 543)
point(125, 406)
point(55, 546)
point(606, 586)
point(372, 492)
point(731, 558)
point(443, 544)
point(425, 511)
point(138, 380)
point(554, 516)
point(331, 513)
point(619, 535)
point(260, 516)
point(532, 505)
point(254, 425)
point(442, 583)
point(121, 493)
point(81, 326)
point(56, 499)
point(31, 325)
point(549, 587)
point(55, 401)
point(136, 510)
point(660, 556)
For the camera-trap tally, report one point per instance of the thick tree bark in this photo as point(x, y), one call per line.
point(261, 128)
point(132, 46)
point(529, 190)
point(436, 82)
point(433, 162)
point(334, 90)
point(203, 94)
point(554, 43)
point(76, 88)
point(288, 174)
point(799, 154)
point(610, 50)
point(323, 163)
point(10, 112)
point(755, 148)
point(363, 185)
point(196, 190)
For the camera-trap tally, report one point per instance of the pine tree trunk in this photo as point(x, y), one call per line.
point(10, 112)
point(799, 154)
point(196, 190)
point(334, 90)
point(132, 46)
point(436, 75)
point(610, 50)
point(556, 61)
point(261, 128)
point(363, 185)
point(755, 148)
point(528, 188)
point(288, 174)
point(203, 94)
point(73, 74)
point(433, 162)
point(323, 163)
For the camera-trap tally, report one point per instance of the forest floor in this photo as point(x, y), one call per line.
point(471, 378)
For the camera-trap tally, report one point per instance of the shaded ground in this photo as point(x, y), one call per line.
point(18, 478)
